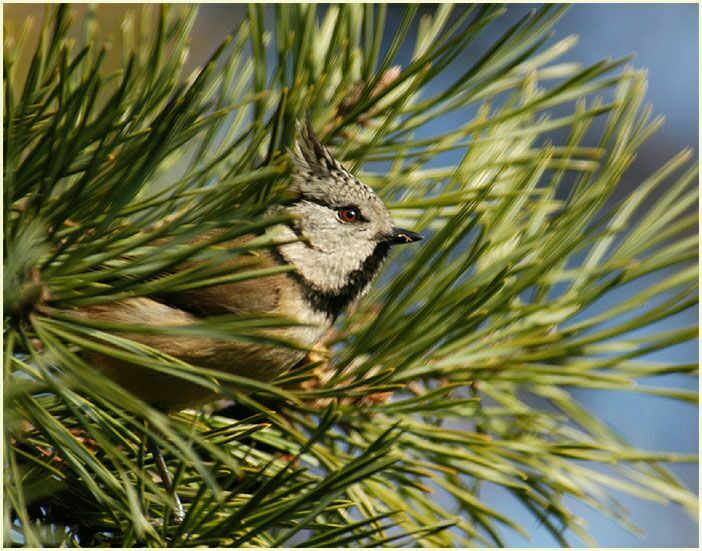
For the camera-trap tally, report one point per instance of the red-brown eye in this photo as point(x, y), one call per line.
point(349, 214)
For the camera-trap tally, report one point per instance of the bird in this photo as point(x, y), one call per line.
point(339, 234)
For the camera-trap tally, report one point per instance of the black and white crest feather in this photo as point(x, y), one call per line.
point(317, 172)
point(311, 155)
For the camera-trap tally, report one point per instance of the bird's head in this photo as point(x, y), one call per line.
point(345, 230)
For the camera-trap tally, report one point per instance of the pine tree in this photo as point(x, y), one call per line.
point(457, 370)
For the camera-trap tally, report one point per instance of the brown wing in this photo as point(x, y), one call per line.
point(258, 295)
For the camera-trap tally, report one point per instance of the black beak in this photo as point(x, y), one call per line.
point(400, 237)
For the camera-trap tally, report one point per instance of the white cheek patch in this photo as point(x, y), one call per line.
point(328, 271)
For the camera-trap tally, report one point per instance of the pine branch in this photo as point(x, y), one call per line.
point(435, 383)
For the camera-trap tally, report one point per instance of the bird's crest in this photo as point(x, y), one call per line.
point(309, 153)
point(320, 176)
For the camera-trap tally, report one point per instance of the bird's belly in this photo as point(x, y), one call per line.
point(170, 392)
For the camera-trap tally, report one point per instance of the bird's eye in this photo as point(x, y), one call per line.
point(349, 215)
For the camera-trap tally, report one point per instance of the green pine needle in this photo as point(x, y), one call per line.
point(434, 378)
